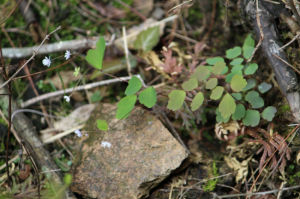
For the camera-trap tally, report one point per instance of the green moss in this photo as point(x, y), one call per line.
point(211, 184)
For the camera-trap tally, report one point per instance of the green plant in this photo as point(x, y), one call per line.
point(230, 85)
point(211, 184)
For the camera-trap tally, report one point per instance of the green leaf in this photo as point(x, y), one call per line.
point(239, 112)
point(147, 39)
point(236, 61)
point(95, 56)
point(148, 97)
point(230, 75)
point(125, 106)
point(227, 106)
point(264, 87)
point(237, 96)
point(197, 101)
point(251, 83)
point(248, 47)
point(102, 125)
point(233, 52)
point(269, 113)
point(134, 85)
point(201, 73)
point(214, 60)
point(176, 99)
point(217, 93)
point(219, 117)
point(238, 83)
point(190, 84)
point(254, 99)
point(218, 68)
point(251, 118)
point(251, 69)
point(237, 68)
point(211, 83)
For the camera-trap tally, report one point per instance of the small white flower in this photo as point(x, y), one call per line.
point(67, 98)
point(47, 61)
point(78, 133)
point(105, 144)
point(67, 54)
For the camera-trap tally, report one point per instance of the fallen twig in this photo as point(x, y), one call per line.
point(79, 88)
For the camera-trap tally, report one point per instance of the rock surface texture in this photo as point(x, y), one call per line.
point(129, 159)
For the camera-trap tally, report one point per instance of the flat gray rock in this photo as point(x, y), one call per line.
point(129, 159)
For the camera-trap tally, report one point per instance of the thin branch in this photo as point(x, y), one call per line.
point(79, 88)
point(287, 44)
point(31, 58)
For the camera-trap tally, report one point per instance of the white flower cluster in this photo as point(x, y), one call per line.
point(47, 61)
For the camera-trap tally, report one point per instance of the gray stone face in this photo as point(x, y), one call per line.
point(129, 159)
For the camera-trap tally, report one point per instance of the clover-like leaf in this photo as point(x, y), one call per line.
point(176, 99)
point(102, 125)
point(134, 85)
point(238, 83)
point(254, 99)
point(217, 93)
point(239, 112)
point(251, 69)
point(237, 96)
point(197, 101)
point(233, 52)
point(251, 83)
point(95, 56)
point(264, 87)
point(125, 106)
point(147, 39)
point(248, 47)
point(251, 118)
point(218, 68)
point(230, 75)
point(227, 106)
point(214, 60)
point(237, 68)
point(148, 97)
point(269, 113)
point(236, 61)
point(190, 84)
point(219, 117)
point(201, 73)
point(211, 83)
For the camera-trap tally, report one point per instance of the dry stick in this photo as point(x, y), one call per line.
point(126, 51)
point(133, 10)
point(261, 38)
point(287, 44)
point(79, 88)
point(11, 12)
point(259, 193)
point(294, 9)
point(295, 69)
point(31, 58)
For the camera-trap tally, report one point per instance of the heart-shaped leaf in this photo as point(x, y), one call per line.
point(248, 47)
point(236, 61)
point(269, 113)
point(197, 101)
point(254, 99)
point(251, 69)
point(190, 84)
point(251, 118)
point(264, 87)
point(239, 112)
point(201, 73)
point(233, 52)
point(238, 83)
point(211, 83)
point(125, 106)
point(176, 99)
point(227, 106)
point(214, 60)
point(216, 93)
point(218, 68)
point(95, 56)
point(134, 85)
point(148, 97)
